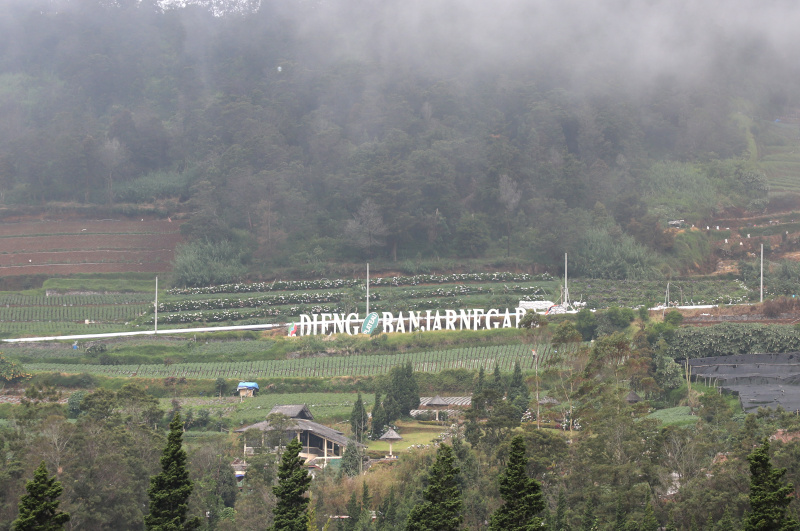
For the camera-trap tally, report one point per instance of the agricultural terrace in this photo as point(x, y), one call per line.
point(53, 247)
point(434, 361)
point(283, 301)
point(116, 305)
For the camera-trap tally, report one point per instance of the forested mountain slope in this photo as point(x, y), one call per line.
point(337, 131)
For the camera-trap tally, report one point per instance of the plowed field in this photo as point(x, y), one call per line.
point(87, 246)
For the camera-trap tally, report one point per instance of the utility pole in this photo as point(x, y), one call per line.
point(367, 290)
point(762, 273)
point(566, 285)
point(155, 307)
point(536, 366)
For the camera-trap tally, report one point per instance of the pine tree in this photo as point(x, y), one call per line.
point(560, 522)
point(353, 513)
point(620, 516)
point(442, 503)
point(358, 419)
point(293, 482)
point(650, 522)
point(387, 512)
point(522, 494)
point(727, 522)
point(517, 387)
point(481, 381)
point(770, 495)
point(497, 381)
point(351, 460)
point(411, 395)
point(391, 408)
point(403, 390)
point(366, 497)
point(38, 509)
point(589, 520)
point(519, 395)
point(170, 489)
point(378, 418)
point(312, 516)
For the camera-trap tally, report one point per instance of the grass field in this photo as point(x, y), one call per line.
point(675, 416)
point(327, 408)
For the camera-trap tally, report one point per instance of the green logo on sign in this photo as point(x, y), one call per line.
point(370, 322)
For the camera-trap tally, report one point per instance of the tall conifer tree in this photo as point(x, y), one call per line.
point(170, 489)
point(522, 494)
point(38, 509)
point(770, 495)
point(442, 505)
point(293, 482)
point(378, 418)
point(358, 419)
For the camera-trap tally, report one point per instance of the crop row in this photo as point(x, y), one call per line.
point(253, 302)
point(183, 347)
point(316, 298)
point(294, 285)
point(94, 299)
point(106, 313)
point(320, 367)
point(62, 328)
point(604, 293)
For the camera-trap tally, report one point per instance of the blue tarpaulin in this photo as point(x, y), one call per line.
point(247, 385)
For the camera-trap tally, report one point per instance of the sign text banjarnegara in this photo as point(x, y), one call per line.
point(416, 321)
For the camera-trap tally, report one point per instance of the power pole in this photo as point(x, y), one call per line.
point(762, 273)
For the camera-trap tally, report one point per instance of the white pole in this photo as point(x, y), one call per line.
point(536, 364)
point(566, 286)
point(155, 306)
point(367, 290)
point(762, 272)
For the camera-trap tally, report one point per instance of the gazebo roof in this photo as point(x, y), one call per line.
point(632, 398)
point(437, 401)
point(390, 435)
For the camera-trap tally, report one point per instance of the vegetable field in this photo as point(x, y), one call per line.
point(283, 301)
point(319, 367)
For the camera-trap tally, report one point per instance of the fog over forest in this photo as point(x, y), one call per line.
point(401, 130)
point(631, 44)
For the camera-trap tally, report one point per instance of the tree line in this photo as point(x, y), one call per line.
point(278, 153)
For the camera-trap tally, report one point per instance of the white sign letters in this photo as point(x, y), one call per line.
point(475, 319)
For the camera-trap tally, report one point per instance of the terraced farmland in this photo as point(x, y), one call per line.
point(247, 304)
point(90, 246)
point(472, 358)
point(779, 156)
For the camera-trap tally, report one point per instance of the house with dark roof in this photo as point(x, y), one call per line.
point(320, 443)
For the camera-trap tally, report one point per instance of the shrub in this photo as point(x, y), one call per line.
point(204, 263)
point(775, 307)
point(673, 318)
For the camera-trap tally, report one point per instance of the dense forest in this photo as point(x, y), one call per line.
point(613, 465)
point(305, 132)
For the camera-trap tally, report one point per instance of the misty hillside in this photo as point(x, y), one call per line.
point(301, 131)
